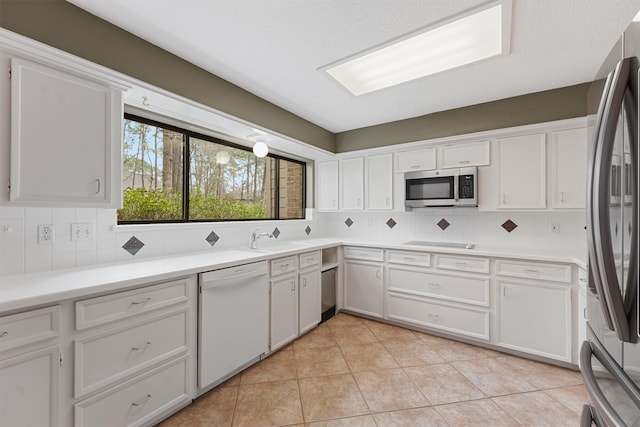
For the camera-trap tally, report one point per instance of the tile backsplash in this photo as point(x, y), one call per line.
point(501, 229)
point(21, 253)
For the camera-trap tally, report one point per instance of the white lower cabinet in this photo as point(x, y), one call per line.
point(137, 368)
point(139, 400)
point(284, 325)
point(29, 388)
point(535, 318)
point(310, 307)
point(30, 358)
point(296, 294)
point(363, 287)
point(439, 315)
point(455, 303)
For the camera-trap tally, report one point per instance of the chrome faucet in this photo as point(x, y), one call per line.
point(255, 236)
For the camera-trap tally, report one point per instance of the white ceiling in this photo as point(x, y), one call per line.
point(273, 48)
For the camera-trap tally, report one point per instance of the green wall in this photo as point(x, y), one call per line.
point(69, 28)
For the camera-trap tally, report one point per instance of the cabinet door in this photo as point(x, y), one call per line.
point(535, 318)
point(463, 155)
point(521, 169)
point(284, 313)
point(416, 160)
point(310, 300)
point(380, 181)
point(569, 168)
point(29, 388)
point(66, 136)
point(328, 186)
point(363, 288)
point(352, 183)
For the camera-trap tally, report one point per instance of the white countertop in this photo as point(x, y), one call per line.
point(29, 290)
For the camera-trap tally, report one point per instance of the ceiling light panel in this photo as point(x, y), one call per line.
point(477, 35)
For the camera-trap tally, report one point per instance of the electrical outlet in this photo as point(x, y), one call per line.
point(45, 233)
point(554, 227)
point(81, 232)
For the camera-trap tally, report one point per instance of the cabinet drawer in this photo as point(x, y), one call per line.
point(115, 354)
point(469, 290)
point(409, 258)
point(459, 320)
point(108, 308)
point(284, 265)
point(29, 327)
point(461, 263)
point(309, 259)
point(534, 270)
point(138, 401)
point(354, 252)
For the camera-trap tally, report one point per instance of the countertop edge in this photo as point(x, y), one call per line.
point(40, 289)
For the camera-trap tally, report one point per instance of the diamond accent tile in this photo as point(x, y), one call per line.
point(391, 223)
point(509, 225)
point(349, 222)
point(443, 224)
point(133, 245)
point(275, 232)
point(212, 238)
point(307, 230)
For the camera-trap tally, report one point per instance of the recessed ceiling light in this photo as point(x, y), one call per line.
point(464, 39)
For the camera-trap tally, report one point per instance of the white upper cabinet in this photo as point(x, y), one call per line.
point(463, 155)
point(521, 172)
point(352, 183)
point(328, 186)
point(66, 132)
point(568, 168)
point(380, 181)
point(416, 160)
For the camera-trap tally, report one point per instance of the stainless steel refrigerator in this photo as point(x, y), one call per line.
point(610, 357)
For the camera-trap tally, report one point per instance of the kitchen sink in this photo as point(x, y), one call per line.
point(442, 244)
point(278, 247)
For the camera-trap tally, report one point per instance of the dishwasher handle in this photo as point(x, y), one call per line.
point(231, 275)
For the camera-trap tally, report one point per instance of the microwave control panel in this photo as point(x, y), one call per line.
point(466, 187)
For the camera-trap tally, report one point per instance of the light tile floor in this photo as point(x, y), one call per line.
point(356, 372)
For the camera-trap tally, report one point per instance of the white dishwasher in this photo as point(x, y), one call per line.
point(233, 321)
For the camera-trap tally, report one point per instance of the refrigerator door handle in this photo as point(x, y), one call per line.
point(600, 239)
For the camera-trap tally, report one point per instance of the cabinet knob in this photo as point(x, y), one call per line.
point(4, 334)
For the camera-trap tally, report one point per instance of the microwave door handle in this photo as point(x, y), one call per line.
point(456, 184)
point(600, 209)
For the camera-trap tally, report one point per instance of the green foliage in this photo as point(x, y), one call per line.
point(143, 204)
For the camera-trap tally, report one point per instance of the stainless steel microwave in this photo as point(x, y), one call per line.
point(449, 187)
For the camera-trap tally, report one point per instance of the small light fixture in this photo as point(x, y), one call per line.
point(222, 157)
point(471, 37)
point(260, 149)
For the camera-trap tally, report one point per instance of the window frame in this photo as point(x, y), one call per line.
point(186, 174)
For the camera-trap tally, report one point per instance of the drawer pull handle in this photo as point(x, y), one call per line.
point(143, 348)
point(304, 282)
point(408, 258)
point(144, 301)
point(364, 254)
point(415, 166)
point(583, 280)
point(531, 271)
point(464, 162)
point(310, 260)
point(434, 285)
point(142, 402)
point(435, 316)
point(461, 263)
point(4, 334)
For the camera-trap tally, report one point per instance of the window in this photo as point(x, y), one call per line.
point(176, 175)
